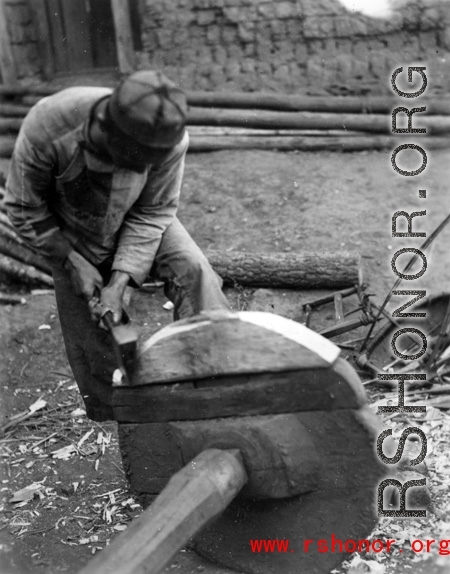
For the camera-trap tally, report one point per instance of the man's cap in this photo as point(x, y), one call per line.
point(149, 108)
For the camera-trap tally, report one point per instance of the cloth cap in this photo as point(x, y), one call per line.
point(149, 108)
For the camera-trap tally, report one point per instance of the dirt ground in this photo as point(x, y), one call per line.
point(251, 201)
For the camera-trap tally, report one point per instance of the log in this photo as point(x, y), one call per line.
point(31, 100)
point(6, 230)
point(24, 254)
point(288, 270)
point(3, 215)
point(261, 119)
point(344, 143)
point(292, 103)
point(24, 273)
point(7, 146)
point(348, 143)
point(197, 131)
point(10, 125)
point(14, 110)
point(15, 91)
point(307, 120)
point(194, 496)
point(7, 299)
point(271, 101)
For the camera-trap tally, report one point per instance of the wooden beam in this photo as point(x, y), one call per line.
point(60, 54)
point(228, 396)
point(196, 495)
point(76, 35)
point(8, 68)
point(41, 17)
point(124, 36)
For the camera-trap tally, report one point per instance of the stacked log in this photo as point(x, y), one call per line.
point(18, 261)
point(305, 122)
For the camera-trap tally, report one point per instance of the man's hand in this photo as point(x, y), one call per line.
point(111, 298)
point(85, 277)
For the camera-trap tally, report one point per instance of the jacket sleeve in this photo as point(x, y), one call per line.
point(150, 216)
point(27, 200)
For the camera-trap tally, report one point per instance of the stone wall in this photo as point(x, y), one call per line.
point(309, 46)
point(294, 45)
point(22, 31)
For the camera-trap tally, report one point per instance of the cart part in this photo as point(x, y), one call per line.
point(184, 349)
point(194, 496)
point(440, 339)
point(303, 429)
point(329, 298)
point(338, 308)
point(342, 326)
point(363, 362)
point(346, 326)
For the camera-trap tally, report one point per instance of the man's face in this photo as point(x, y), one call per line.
point(125, 153)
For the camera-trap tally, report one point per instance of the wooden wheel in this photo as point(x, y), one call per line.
point(280, 395)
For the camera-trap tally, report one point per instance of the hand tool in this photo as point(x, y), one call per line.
point(124, 340)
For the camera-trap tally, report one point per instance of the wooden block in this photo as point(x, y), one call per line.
point(150, 457)
point(226, 343)
point(339, 497)
point(338, 387)
point(285, 455)
point(279, 454)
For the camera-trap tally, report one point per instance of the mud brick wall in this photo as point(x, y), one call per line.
point(293, 45)
point(22, 33)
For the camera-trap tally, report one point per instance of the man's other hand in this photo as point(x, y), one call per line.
point(86, 279)
point(111, 298)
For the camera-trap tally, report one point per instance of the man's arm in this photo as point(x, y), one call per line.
point(27, 202)
point(150, 216)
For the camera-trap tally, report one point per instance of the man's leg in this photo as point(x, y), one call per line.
point(191, 283)
point(89, 349)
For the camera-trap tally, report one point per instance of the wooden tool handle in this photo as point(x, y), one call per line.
point(194, 496)
point(108, 319)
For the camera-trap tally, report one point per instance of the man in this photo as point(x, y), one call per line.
point(94, 186)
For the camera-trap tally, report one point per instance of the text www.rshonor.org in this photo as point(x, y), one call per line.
point(348, 546)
